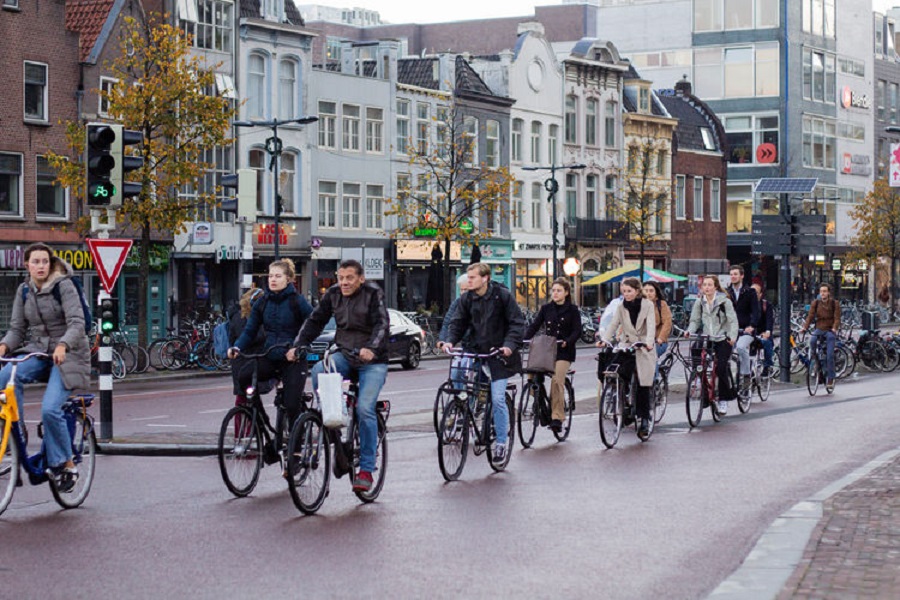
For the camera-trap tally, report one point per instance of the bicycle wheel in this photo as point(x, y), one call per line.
point(308, 463)
point(762, 383)
point(129, 357)
point(812, 376)
point(84, 451)
point(240, 451)
point(204, 352)
point(871, 353)
point(174, 354)
point(891, 357)
point(499, 465)
point(143, 359)
point(118, 365)
point(9, 470)
point(611, 416)
point(744, 395)
point(527, 418)
point(844, 362)
point(453, 440)
point(569, 409)
point(445, 394)
point(381, 461)
point(695, 399)
point(661, 395)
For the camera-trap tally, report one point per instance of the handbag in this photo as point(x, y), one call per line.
point(542, 354)
point(331, 399)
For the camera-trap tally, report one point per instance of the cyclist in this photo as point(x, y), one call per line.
point(826, 312)
point(562, 320)
point(362, 336)
point(714, 313)
point(764, 328)
point(746, 306)
point(496, 321)
point(635, 321)
point(280, 312)
point(460, 364)
point(653, 293)
point(52, 322)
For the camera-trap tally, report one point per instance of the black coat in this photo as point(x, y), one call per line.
point(746, 307)
point(562, 321)
point(766, 320)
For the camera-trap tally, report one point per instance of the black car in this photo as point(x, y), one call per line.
point(404, 343)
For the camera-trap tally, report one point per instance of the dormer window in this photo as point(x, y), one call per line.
point(272, 10)
point(644, 100)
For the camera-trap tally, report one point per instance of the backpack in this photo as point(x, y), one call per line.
point(85, 305)
point(220, 339)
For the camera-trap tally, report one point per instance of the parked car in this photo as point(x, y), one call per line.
point(404, 344)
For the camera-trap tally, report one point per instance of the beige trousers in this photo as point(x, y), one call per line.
point(558, 390)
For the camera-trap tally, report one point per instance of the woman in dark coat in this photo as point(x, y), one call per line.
point(561, 319)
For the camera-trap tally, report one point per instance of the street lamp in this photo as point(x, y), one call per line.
point(552, 186)
point(273, 148)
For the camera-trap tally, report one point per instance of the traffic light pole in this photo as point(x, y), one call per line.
point(106, 379)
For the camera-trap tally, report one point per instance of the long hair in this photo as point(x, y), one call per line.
point(658, 290)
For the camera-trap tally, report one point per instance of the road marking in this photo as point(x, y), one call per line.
point(428, 389)
point(155, 418)
point(164, 425)
point(214, 411)
point(172, 392)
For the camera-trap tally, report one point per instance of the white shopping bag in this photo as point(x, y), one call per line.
point(331, 399)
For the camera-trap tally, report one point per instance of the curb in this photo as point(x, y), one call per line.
point(169, 450)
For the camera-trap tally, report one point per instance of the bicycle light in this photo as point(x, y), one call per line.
point(250, 390)
point(2, 397)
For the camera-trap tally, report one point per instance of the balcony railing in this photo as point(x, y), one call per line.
point(597, 230)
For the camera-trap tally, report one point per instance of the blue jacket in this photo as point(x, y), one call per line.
point(280, 314)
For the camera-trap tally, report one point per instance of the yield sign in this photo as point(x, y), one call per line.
point(109, 256)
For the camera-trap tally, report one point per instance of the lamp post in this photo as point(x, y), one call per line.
point(552, 186)
point(273, 148)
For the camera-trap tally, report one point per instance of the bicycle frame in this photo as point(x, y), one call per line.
point(477, 384)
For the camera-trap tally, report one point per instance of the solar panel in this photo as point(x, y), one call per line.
point(786, 185)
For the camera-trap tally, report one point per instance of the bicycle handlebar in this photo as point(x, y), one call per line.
point(464, 354)
point(24, 357)
point(262, 354)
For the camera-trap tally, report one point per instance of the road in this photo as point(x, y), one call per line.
point(669, 518)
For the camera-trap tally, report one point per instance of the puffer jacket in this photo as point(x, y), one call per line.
point(276, 314)
point(717, 320)
point(40, 323)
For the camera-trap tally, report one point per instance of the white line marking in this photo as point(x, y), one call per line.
point(213, 411)
point(155, 418)
point(164, 425)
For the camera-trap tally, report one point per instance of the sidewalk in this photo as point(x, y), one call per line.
point(843, 542)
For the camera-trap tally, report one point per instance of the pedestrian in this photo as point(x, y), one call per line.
point(713, 313)
point(44, 320)
point(561, 319)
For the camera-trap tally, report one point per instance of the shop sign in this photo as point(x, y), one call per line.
point(420, 250)
point(490, 252)
point(852, 99)
point(540, 247)
point(851, 280)
point(466, 226)
point(425, 232)
point(231, 252)
point(158, 255)
point(264, 234)
point(201, 234)
point(372, 260)
point(857, 164)
point(14, 258)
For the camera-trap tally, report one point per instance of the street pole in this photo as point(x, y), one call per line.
point(784, 298)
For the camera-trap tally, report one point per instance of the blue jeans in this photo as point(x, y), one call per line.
point(57, 442)
point(768, 346)
point(501, 415)
point(660, 350)
point(371, 380)
point(830, 339)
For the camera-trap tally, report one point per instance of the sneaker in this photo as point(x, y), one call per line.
point(722, 407)
point(767, 372)
point(499, 453)
point(829, 386)
point(63, 479)
point(556, 425)
point(362, 482)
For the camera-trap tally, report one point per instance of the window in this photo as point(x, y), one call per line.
point(106, 88)
point(327, 123)
point(738, 72)
point(590, 197)
point(257, 162)
point(10, 183)
point(679, 197)
point(633, 159)
point(516, 143)
point(659, 214)
point(470, 140)
point(709, 143)
point(818, 17)
point(517, 205)
point(590, 122)
point(402, 198)
point(819, 76)
point(214, 25)
point(849, 66)
point(327, 203)
point(10, 3)
point(537, 203)
point(728, 15)
point(374, 129)
point(698, 198)
point(662, 163)
point(880, 99)
point(644, 100)
point(741, 71)
point(256, 86)
point(374, 206)
point(422, 127)
point(893, 99)
point(715, 200)
point(443, 132)
point(402, 126)
point(350, 205)
point(350, 127)
point(819, 143)
point(536, 130)
point(610, 126)
point(571, 197)
point(51, 197)
point(745, 133)
point(287, 182)
point(610, 196)
point(287, 89)
point(571, 122)
point(35, 91)
point(553, 144)
point(492, 147)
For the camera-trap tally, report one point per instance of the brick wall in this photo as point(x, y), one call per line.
point(705, 238)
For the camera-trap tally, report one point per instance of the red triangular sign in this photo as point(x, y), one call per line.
point(109, 258)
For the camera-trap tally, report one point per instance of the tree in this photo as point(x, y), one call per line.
point(165, 92)
point(643, 208)
point(877, 222)
point(450, 196)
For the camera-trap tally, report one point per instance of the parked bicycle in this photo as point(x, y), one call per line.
point(14, 445)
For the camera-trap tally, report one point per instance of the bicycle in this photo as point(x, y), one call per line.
point(309, 457)
point(247, 438)
point(535, 409)
point(702, 391)
point(815, 374)
point(14, 443)
point(661, 382)
point(758, 382)
point(461, 419)
point(617, 398)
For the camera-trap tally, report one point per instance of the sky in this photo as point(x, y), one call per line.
point(431, 11)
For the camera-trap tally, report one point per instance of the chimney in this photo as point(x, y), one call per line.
point(683, 87)
point(533, 26)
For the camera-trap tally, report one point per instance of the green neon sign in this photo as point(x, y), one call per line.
point(425, 231)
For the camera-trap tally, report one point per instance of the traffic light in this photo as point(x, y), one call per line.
point(109, 315)
point(99, 164)
point(125, 164)
point(243, 204)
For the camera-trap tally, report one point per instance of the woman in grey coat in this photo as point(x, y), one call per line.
point(41, 323)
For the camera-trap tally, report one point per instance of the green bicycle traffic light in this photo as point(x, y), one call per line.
point(109, 315)
point(99, 164)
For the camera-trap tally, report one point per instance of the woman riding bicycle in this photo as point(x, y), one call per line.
point(51, 322)
point(714, 313)
point(653, 293)
point(562, 320)
point(280, 312)
point(635, 321)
